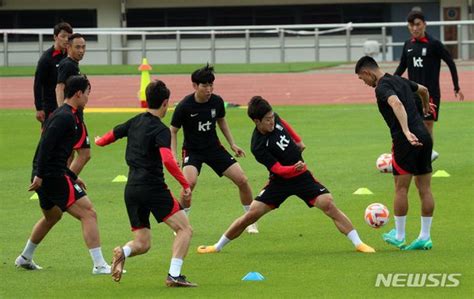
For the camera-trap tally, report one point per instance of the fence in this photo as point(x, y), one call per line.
point(281, 35)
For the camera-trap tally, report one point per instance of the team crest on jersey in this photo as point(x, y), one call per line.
point(279, 127)
point(423, 52)
point(213, 113)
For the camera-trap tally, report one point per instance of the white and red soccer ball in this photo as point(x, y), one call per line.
point(384, 163)
point(376, 215)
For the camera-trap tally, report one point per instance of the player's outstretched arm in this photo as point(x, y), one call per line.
point(108, 138)
point(228, 136)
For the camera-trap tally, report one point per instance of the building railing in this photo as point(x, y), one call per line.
point(282, 31)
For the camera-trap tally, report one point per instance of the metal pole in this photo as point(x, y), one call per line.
point(40, 42)
point(384, 43)
point(5, 49)
point(143, 46)
point(282, 45)
point(459, 41)
point(247, 46)
point(178, 47)
point(213, 47)
point(316, 44)
point(348, 43)
point(109, 49)
point(123, 23)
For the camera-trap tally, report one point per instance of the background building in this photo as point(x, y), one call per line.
point(17, 14)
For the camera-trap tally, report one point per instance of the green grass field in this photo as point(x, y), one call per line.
point(299, 251)
point(169, 69)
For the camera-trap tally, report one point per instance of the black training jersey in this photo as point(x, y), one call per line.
point(423, 59)
point(404, 89)
point(67, 68)
point(145, 135)
point(199, 121)
point(276, 146)
point(45, 79)
point(60, 132)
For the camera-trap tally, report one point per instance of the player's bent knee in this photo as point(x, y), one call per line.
point(241, 180)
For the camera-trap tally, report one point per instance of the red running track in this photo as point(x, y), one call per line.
point(279, 89)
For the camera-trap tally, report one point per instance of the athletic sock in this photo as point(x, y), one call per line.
point(127, 250)
point(175, 267)
point(221, 243)
point(400, 222)
point(354, 237)
point(29, 250)
point(97, 257)
point(425, 228)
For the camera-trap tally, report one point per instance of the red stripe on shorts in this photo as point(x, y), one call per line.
point(176, 208)
point(71, 197)
point(396, 166)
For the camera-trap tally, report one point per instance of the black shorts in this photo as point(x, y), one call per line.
point(434, 116)
point(83, 141)
point(409, 159)
point(305, 186)
point(218, 159)
point(59, 191)
point(140, 200)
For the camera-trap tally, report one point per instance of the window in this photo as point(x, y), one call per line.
point(25, 19)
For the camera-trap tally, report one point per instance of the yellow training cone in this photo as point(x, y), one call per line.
point(145, 68)
point(119, 179)
point(441, 174)
point(363, 191)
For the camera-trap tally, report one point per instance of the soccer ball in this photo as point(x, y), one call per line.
point(384, 163)
point(376, 215)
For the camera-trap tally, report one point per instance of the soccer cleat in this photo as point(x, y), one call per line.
point(391, 238)
point(362, 247)
point(179, 281)
point(22, 262)
point(252, 228)
point(419, 244)
point(207, 249)
point(118, 261)
point(100, 270)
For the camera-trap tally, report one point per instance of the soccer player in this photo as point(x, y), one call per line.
point(279, 148)
point(76, 48)
point(198, 114)
point(411, 149)
point(58, 188)
point(422, 54)
point(148, 148)
point(47, 72)
point(70, 67)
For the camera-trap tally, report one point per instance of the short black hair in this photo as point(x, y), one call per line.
point(74, 36)
point(74, 84)
point(365, 62)
point(415, 14)
point(156, 93)
point(258, 107)
point(203, 75)
point(62, 26)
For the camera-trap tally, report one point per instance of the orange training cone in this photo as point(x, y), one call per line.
point(145, 68)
